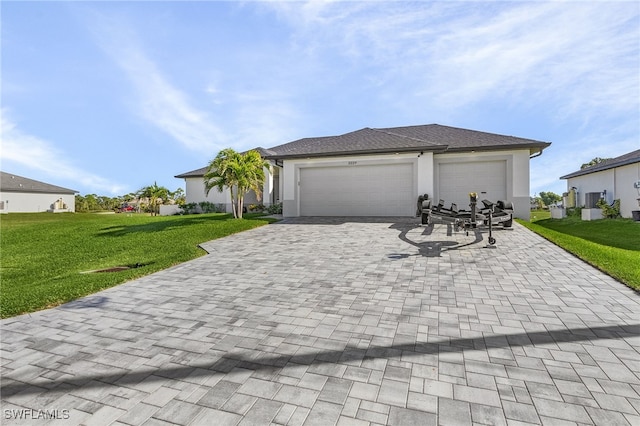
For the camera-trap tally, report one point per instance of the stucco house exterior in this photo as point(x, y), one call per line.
point(195, 190)
point(23, 195)
point(616, 178)
point(381, 171)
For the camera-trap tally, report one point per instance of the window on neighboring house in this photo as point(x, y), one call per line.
point(1, 205)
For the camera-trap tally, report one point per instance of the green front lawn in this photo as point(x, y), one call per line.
point(611, 245)
point(44, 255)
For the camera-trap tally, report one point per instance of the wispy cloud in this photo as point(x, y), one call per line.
point(156, 100)
point(34, 153)
point(581, 56)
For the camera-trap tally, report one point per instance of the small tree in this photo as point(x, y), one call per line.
point(178, 196)
point(593, 162)
point(238, 172)
point(250, 176)
point(549, 198)
point(155, 196)
point(609, 211)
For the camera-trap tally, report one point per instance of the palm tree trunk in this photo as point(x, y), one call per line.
point(233, 203)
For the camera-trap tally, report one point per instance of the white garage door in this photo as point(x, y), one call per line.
point(457, 180)
point(359, 190)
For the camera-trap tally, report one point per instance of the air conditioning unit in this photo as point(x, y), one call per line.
point(636, 184)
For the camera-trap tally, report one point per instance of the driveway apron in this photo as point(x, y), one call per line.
point(323, 321)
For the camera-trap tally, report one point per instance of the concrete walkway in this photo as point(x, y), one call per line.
point(329, 321)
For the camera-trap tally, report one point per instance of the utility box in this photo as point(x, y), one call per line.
point(591, 214)
point(558, 212)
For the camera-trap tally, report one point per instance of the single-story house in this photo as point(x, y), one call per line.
point(615, 178)
point(382, 171)
point(22, 195)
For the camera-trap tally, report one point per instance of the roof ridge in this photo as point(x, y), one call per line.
point(619, 161)
point(384, 130)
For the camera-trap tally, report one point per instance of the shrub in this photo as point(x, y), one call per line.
point(610, 211)
point(206, 207)
point(190, 208)
point(275, 208)
point(575, 212)
point(256, 207)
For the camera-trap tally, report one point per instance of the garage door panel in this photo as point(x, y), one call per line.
point(364, 190)
point(457, 180)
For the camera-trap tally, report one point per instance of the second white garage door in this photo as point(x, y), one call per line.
point(457, 180)
point(359, 190)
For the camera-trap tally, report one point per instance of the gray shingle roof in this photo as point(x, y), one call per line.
point(430, 137)
point(264, 153)
point(463, 139)
point(14, 183)
point(361, 141)
point(629, 158)
point(193, 173)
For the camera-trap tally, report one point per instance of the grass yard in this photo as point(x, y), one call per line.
point(611, 245)
point(43, 255)
point(537, 215)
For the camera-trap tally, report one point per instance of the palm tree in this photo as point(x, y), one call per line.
point(155, 195)
point(250, 176)
point(238, 172)
point(220, 174)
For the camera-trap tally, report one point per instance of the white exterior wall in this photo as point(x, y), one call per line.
point(31, 202)
point(618, 182)
point(517, 174)
point(593, 182)
point(268, 187)
point(195, 193)
point(425, 175)
point(625, 177)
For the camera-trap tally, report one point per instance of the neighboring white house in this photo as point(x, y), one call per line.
point(616, 178)
point(22, 195)
point(381, 172)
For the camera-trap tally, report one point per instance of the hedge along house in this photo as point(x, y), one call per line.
point(616, 178)
point(22, 195)
point(381, 172)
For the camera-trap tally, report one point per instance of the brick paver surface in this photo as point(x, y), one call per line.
point(329, 321)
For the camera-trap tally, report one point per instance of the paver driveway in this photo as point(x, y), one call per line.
point(325, 321)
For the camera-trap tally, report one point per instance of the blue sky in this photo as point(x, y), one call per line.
point(108, 97)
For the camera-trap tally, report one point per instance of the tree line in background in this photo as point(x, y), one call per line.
point(147, 199)
point(546, 199)
point(239, 172)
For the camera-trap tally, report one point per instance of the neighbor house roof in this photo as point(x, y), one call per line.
point(429, 137)
point(14, 183)
point(623, 160)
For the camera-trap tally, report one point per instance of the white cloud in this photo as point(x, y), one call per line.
point(157, 100)
point(581, 59)
point(39, 155)
point(263, 118)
